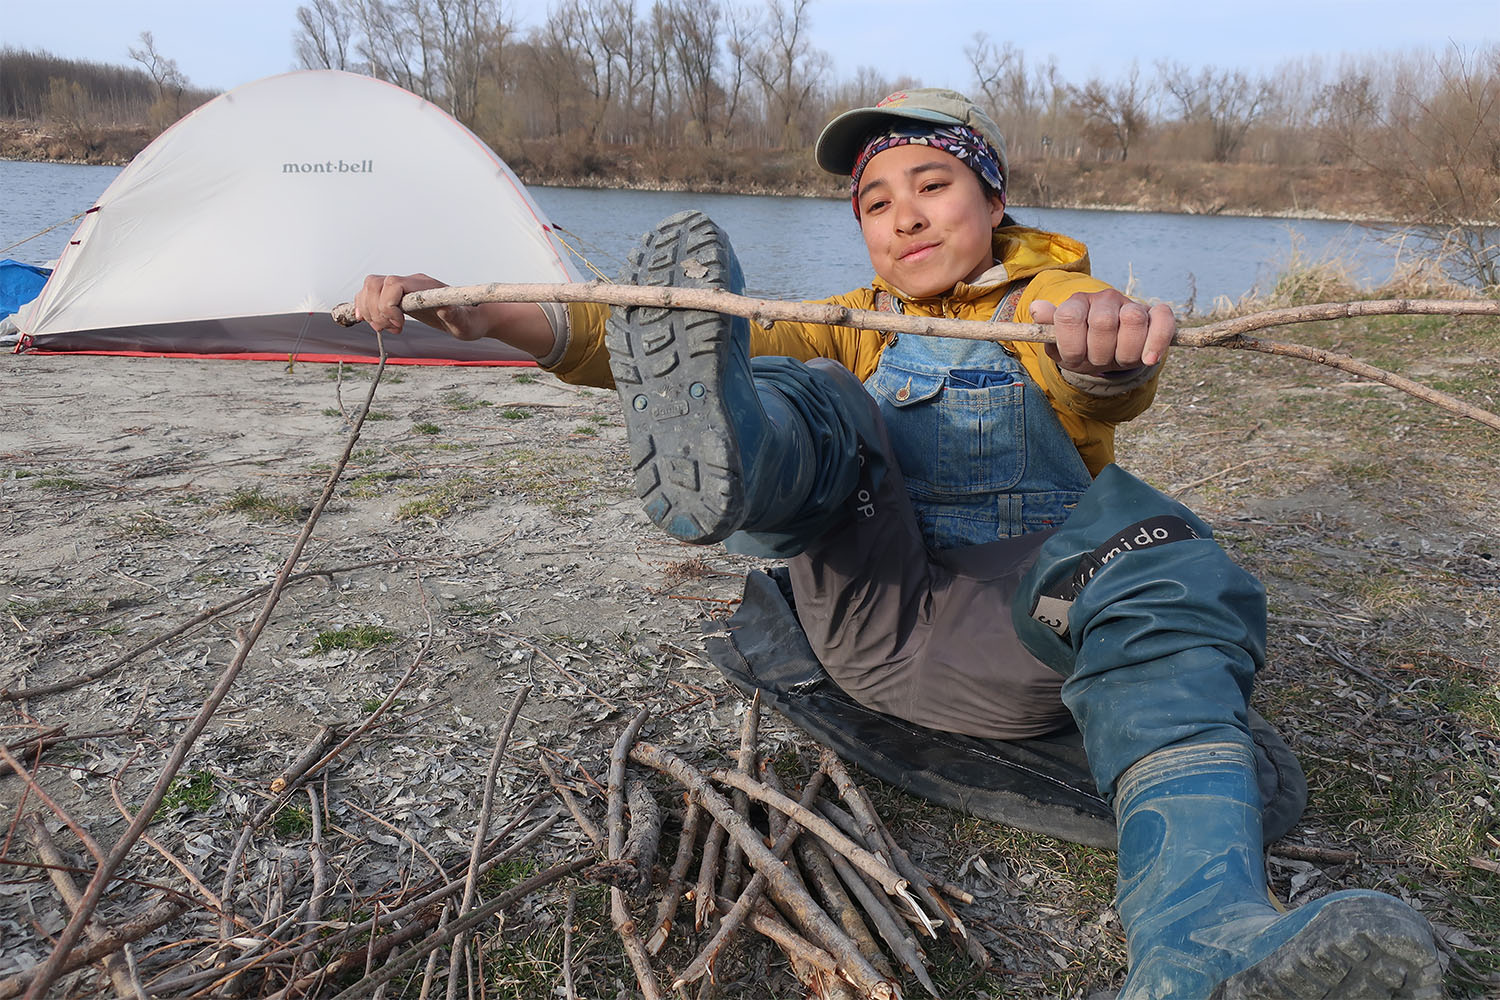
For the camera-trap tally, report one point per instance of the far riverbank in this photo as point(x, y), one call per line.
point(1235, 189)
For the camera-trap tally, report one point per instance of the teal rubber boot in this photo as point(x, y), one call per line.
point(1192, 898)
point(713, 452)
point(1158, 636)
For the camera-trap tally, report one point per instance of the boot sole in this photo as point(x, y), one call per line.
point(667, 366)
point(1361, 947)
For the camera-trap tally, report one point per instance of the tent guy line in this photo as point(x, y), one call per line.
point(1229, 333)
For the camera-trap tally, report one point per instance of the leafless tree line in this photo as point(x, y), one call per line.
point(38, 86)
point(727, 75)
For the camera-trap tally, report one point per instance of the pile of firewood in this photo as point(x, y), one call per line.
point(819, 875)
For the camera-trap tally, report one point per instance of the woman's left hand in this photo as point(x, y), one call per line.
point(1099, 332)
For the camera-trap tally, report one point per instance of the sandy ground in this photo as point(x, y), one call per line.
point(136, 492)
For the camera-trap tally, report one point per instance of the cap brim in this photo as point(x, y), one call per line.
point(841, 141)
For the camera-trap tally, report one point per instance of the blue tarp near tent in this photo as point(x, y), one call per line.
point(19, 284)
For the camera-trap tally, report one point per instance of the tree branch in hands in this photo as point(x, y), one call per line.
point(1102, 332)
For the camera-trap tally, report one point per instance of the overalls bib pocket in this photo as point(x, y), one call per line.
point(965, 430)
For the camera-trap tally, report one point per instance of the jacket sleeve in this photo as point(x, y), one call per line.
point(1111, 407)
point(585, 361)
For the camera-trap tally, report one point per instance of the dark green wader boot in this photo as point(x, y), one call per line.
point(717, 446)
point(1158, 635)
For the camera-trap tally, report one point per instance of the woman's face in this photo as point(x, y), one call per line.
point(926, 219)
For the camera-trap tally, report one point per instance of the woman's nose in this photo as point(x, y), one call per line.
point(909, 220)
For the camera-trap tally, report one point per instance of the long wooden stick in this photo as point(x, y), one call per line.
point(1225, 333)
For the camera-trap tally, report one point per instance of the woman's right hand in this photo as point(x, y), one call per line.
point(379, 304)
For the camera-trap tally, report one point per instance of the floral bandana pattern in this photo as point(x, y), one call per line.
point(959, 140)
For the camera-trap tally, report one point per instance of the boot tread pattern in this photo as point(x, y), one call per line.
point(1363, 948)
point(658, 356)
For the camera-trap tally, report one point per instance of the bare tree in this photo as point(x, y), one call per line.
point(786, 66)
point(323, 35)
point(1439, 158)
point(1348, 116)
point(169, 81)
point(1225, 102)
point(1116, 112)
point(739, 43)
point(694, 29)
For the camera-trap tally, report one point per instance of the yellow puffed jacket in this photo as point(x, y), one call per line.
point(1057, 266)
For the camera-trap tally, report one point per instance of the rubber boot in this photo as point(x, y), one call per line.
point(1158, 636)
point(1192, 898)
point(714, 449)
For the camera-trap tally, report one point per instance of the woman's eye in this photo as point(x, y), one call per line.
point(934, 185)
point(874, 206)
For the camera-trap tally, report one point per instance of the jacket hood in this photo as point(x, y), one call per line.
point(1020, 252)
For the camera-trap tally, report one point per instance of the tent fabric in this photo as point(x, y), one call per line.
point(238, 229)
point(19, 284)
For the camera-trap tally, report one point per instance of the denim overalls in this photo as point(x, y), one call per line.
point(983, 453)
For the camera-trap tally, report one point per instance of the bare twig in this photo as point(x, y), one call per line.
point(887, 923)
point(1227, 333)
point(880, 834)
point(473, 918)
point(644, 839)
point(865, 861)
point(481, 829)
point(818, 872)
point(748, 763)
point(569, 991)
point(315, 749)
point(33, 785)
point(735, 915)
point(587, 825)
point(619, 912)
point(120, 976)
point(112, 941)
point(671, 897)
point(704, 902)
point(813, 919)
point(763, 919)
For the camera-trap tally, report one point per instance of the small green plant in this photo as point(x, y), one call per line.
point(145, 524)
point(372, 483)
point(354, 637)
point(332, 411)
point(292, 821)
point(425, 427)
point(463, 401)
point(516, 413)
point(66, 483)
point(442, 501)
point(263, 506)
point(193, 791)
point(526, 378)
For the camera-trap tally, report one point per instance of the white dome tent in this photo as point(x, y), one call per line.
point(239, 228)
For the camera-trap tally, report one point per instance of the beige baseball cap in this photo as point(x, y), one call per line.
point(844, 137)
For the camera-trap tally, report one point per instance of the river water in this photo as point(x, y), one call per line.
point(810, 248)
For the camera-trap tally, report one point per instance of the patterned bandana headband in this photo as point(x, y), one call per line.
point(959, 140)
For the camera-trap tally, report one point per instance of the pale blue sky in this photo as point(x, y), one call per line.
point(223, 43)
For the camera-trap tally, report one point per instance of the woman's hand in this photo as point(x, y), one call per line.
point(1102, 332)
point(379, 304)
